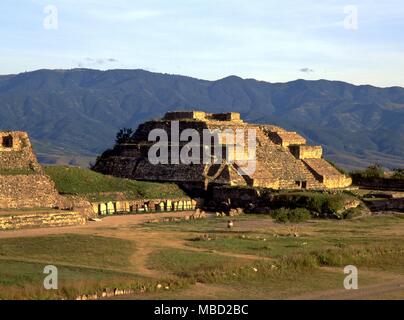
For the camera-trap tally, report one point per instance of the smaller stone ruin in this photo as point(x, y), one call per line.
point(24, 185)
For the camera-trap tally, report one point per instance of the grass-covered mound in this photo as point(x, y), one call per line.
point(93, 185)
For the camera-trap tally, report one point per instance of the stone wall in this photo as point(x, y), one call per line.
point(39, 220)
point(23, 185)
point(335, 182)
point(286, 138)
point(77, 204)
point(27, 191)
point(149, 205)
point(227, 116)
point(233, 196)
point(327, 174)
point(11, 141)
point(179, 115)
point(19, 155)
point(306, 152)
point(202, 116)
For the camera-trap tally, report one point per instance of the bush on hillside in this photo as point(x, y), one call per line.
point(319, 204)
point(123, 135)
point(371, 172)
point(352, 213)
point(284, 215)
point(398, 173)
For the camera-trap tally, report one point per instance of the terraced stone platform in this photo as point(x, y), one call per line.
point(24, 219)
point(283, 160)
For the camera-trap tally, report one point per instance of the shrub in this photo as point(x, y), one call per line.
point(371, 172)
point(281, 215)
point(123, 135)
point(297, 215)
point(299, 261)
point(352, 213)
point(398, 173)
point(319, 204)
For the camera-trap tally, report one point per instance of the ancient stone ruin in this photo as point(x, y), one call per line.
point(283, 159)
point(24, 185)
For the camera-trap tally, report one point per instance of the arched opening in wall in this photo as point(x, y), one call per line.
point(7, 142)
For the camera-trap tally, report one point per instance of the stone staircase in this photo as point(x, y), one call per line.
point(312, 181)
point(285, 166)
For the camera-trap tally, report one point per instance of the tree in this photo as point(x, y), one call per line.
point(123, 135)
point(398, 173)
point(374, 171)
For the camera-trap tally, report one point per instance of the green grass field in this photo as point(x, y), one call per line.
point(86, 264)
point(292, 265)
point(96, 186)
point(203, 259)
point(188, 263)
point(92, 251)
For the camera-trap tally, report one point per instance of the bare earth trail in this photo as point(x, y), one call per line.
point(390, 285)
point(377, 291)
point(119, 227)
point(122, 227)
point(149, 241)
point(103, 227)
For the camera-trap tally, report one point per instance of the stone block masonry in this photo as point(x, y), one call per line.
point(283, 160)
point(286, 138)
point(40, 220)
point(143, 206)
point(16, 154)
point(27, 191)
point(202, 116)
point(24, 187)
point(23, 183)
point(306, 152)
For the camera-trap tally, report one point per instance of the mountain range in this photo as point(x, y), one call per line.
point(73, 115)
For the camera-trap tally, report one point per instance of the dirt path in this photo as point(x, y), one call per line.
point(108, 223)
point(147, 242)
point(387, 284)
point(198, 291)
point(120, 227)
point(365, 292)
point(151, 241)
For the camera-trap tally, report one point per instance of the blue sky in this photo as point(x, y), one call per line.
point(275, 41)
